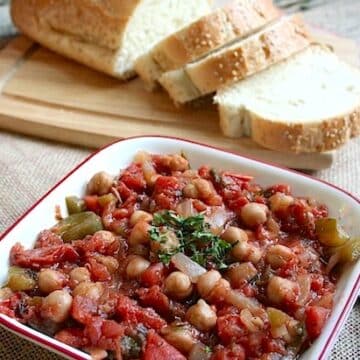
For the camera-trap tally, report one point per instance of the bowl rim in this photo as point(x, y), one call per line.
point(37, 337)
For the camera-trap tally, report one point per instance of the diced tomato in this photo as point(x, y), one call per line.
point(315, 318)
point(230, 327)
point(73, 337)
point(48, 238)
point(133, 178)
point(111, 329)
point(92, 203)
point(103, 333)
point(214, 200)
point(237, 203)
point(98, 271)
point(317, 282)
point(124, 191)
point(233, 352)
point(120, 213)
point(93, 330)
point(282, 188)
point(166, 192)
point(83, 308)
point(199, 205)
point(154, 298)
point(158, 349)
point(204, 172)
point(42, 257)
point(99, 243)
point(241, 177)
point(134, 314)
point(153, 275)
point(273, 346)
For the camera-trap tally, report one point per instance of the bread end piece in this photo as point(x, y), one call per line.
point(309, 103)
point(106, 35)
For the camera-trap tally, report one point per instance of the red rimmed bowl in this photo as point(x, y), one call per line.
point(342, 205)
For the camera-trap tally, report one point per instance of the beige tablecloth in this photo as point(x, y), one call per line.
point(29, 167)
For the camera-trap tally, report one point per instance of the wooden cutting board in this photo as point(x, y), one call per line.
point(46, 95)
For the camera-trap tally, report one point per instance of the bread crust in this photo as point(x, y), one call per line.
point(102, 23)
point(251, 55)
point(25, 17)
point(325, 135)
point(212, 31)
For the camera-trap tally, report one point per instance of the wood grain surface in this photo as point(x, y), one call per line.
point(46, 95)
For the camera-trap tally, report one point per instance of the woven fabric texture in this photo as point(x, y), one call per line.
point(29, 167)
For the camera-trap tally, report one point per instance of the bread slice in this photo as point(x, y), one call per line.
point(309, 103)
point(236, 20)
point(237, 61)
point(107, 35)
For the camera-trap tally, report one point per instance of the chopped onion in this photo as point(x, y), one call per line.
point(188, 266)
point(199, 352)
point(142, 156)
point(149, 172)
point(333, 261)
point(304, 282)
point(218, 219)
point(242, 302)
point(252, 323)
point(186, 209)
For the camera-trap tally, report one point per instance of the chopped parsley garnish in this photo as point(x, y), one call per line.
point(195, 239)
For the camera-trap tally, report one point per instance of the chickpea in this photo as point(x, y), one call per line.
point(207, 282)
point(56, 306)
point(204, 187)
point(109, 261)
point(140, 233)
point(107, 237)
point(280, 290)
point(254, 214)
point(244, 251)
point(5, 293)
point(178, 163)
point(171, 242)
point(136, 266)
point(78, 275)
point(202, 316)
point(191, 191)
point(234, 234)
point(140, 215)
point(240, 273)
point(141, 250)
point(178, 285)
point(51, 280)
point(180, 336)
point(100, 184)
point(278, 255)
point(89, 289)
point(280, 201)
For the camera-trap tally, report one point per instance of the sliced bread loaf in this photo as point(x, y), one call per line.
point(311, 102)
point(107, 35)
point(237, 61)
point(236, 20)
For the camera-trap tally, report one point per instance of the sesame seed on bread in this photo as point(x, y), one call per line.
point(308, 103)
point(238, 60)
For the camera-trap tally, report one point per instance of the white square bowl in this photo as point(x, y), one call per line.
point(112, 158)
